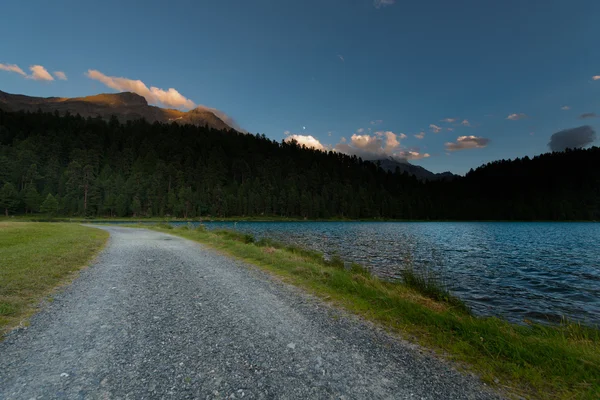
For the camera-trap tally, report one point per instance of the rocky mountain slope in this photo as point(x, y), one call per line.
point(125, 106)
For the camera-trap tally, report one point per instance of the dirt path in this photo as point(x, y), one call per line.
point(158, 316)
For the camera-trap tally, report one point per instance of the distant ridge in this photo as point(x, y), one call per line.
point(390, 164)
point(125, 106)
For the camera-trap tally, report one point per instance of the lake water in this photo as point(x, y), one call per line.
point(533, 271)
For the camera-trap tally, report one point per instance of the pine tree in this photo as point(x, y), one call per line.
point(50, 205)
point(31, 198)
point(9, 198)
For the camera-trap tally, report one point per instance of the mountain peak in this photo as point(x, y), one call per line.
point(114, 99)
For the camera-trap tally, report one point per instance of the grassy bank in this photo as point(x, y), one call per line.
point(534, 361)
point(35, 258)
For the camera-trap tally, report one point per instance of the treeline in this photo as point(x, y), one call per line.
point(71, 166)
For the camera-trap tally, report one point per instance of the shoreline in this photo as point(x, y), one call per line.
point(533, 360)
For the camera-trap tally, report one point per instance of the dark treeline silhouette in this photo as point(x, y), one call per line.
point(71, 166)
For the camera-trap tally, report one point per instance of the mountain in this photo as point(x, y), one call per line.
point(389, 164)
point(125, 106)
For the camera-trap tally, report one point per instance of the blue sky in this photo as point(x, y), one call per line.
point(360, 76)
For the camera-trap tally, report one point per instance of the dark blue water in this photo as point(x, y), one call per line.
point(533, 271)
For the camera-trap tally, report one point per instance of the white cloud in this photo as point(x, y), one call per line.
point(360, 130)
point(565, 108)
point(450, 129)
point(382, 144)
point(12, 68)
point(467, 142)
point(154, 95)
point(435, 128)
point(341, 57)
point(287, 133)
point(40, 73)
point(448, 120)
point(411, 155)
point(596, 77)
point(391, 140)
point(383, 3)
point(376, 122)
point(514, 117)
point(306, 140)
point(465, 122)
point(60, 75)
point(420, 135)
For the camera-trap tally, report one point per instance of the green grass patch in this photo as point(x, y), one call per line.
point(35, 258)
point(534, 361)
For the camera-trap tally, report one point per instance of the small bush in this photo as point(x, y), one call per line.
point(429, 285)
point(235, 235)
point(336, 261)
point(359, 269)
point(266, 242)
point(200, 228)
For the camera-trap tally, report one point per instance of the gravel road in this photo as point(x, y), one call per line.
point(157, 316)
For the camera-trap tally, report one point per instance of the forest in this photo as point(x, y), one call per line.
point(89, 167)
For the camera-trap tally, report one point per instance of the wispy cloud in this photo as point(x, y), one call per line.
point(411, 155)
point(434, 128)
point(383, 3)
point(154, 95)
point(465, 122)
point(40, 73)
point(341, 57)
point(12, 68)
point(572, 138)
point(565, 108)
point(360, 130)
point(305, 140)
point(420, 135)
point(448, 120)
point(514, 117)
point(60, 75)
point(376, 122)
point(596, 77)
point(467, 142)
point(450, 129)
point(588, 115)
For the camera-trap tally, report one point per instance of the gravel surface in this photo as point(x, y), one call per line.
point(158, 316)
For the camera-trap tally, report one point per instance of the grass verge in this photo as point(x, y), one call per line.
point(534, 361)
point(35, 258)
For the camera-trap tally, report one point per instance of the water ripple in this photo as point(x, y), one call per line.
point(533, 271)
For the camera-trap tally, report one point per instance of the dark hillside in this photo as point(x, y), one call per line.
point(76, 166)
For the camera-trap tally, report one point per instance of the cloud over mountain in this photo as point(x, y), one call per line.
point(380, 145)
point(572, 138)
point(305, 140)
point(154, 95)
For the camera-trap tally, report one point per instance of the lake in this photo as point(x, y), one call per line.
point(519, 271)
